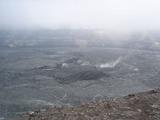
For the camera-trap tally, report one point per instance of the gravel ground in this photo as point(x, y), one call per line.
point(139, 106)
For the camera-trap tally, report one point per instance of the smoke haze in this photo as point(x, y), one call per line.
point(124, 15)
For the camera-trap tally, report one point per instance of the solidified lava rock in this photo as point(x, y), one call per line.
point(82, 75)
point(141, 106)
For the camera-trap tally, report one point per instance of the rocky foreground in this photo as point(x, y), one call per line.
point(140, 106)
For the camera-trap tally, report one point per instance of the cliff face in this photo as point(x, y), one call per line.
point(140, 106)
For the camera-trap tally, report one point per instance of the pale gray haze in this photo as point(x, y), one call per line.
point(69, 52)
point(107, 14)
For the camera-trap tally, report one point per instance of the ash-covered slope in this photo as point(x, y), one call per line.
point(141, 106)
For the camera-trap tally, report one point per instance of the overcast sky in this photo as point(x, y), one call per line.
point(106, 14)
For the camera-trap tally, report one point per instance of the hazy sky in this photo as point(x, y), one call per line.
point(108, 14)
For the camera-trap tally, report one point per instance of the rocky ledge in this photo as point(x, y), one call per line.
point(139, 106)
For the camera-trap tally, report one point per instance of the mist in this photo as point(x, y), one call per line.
point(62, 53)
point(115, 15)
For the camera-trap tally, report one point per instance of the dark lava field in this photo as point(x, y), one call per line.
point(32, 78)
point(41, 68)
